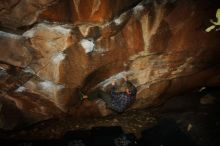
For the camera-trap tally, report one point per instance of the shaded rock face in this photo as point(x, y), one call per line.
point(87, 11)
point(56, 47)
point(18, 13)
point(18, 106)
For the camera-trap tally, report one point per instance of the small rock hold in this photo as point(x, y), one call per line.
point(115, 120)
point(140, 126)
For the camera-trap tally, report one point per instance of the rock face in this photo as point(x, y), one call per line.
point(18, 106)
point(161, 46)
point(13, 51)
point(18, 13)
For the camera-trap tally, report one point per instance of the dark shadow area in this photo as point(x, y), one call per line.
point(165, 133)
point(197, 114)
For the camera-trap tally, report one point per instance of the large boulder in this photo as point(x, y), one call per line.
point(161, 46)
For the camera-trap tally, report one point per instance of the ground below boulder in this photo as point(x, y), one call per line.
point(183, 117)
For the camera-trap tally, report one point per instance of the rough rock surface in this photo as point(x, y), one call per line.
point(18, 13)
point(161, 46)
point(18, 106)
point(87, 11)
point(13, 51)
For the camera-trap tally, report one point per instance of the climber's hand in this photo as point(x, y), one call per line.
point(113, 82)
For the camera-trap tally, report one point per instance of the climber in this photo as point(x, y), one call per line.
point(116, 101)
